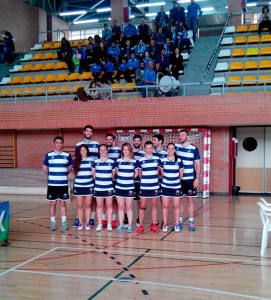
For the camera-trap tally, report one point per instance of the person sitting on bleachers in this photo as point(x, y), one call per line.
point(173, 36)
point(123, 70)
point(127, 49)
point(139, 74)
point(144, 31)
point(107, 34)
point(97, 40)
point(65, 54)
point(108, 71)
point(90, 55)
point(162, 20)
point(101, 51)
point(264, 20)
point(114, 53)
point(130, 32)
point(147, 59)
point(95, 94)
point(83, 63)
point(133, 64)
point(184, 40)
point(149, 79)
point(169, 47)
point(159, 37)
point(140, 50)
point(176, 63)
point(122, 40)
point(76, 60)
point(10, 48)
point(116, 31)
point(96, 69)
point(163, 59)
point(90, 41)
point(153, 49)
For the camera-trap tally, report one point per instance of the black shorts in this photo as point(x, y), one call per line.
point(188, 189)
point(103, 194)
point(125, 193)
point(137, 190)
point(149, 193)
point(174, 193)
point(57, 193)
point(80, 191)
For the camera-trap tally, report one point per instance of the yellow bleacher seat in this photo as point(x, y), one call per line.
point(241, 28)
point(122, 98)
point(52, 90)
point(64, 89)
point(48, 66)
point(235, 78)
point(253, 39)
point(74, 43)
point(252, 52)
point(39, 91)
point(265, 64)
point(74, 89)
point(253, 28)
point(46, 46)
point(263, 92)
point(247, 93)
point(62, 77)
point(66, 100)
point(265, 51)
point(264, 77)
point(39, 78)
point(266, 38)
point(132, 84)
point(30, 90)
point(236, 66)
point(56, 45)
point(238, 52)
point(85, 42)
point(26, 68)
point(74, 76)
point(55, 56)
point(249, 82)
point(47, 55)
point(231, 93)
point(37, 56)
point(240, 40)
point(51, 78)
point(86, 76)
point(116, 85)
point(251, 65)
point(37, 67)
point(17, 91)
point(60, 66)
point(28, 79)
point(5, 93)
point(16, 80)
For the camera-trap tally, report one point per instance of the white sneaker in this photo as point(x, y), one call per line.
point(109, 227)
point(177, 229)
point(80, 226)
point(99, 227)
point(164, 228)
point(87, 227)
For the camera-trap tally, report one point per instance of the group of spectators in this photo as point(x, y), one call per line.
point(6, 47)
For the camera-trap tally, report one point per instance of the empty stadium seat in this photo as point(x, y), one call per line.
point(26, 68)
point(39, 91)
point(39, 79)
point(251, 65)
point(238, 52)
point(265, 51)
point(37, 67)
point(74, 76)
point(247, 93)
point(264, 77)
point(236, 66)
point(5, 80)
point(60, 66)
point(37, 56)
point(48, 66)
point(47, 55)
point(220, 67)
point(116, 85)
point(253, 28)
point(5, 93)
point(51, 78)
point(16, 80)
point(249, 80)
point(17, 91)
point(224, 53)
point(74, 89)
point(36, 47)
point(86, 76)
point(55, 56)
point(252, 52)
point(52, 90)
point(30, 90)
point(230, 29)
point(64, 89)
point(265, 64)
point(253, 39)
point(241, 28)
point(16, 69)
point(132, 84)
point(266, 38)
point(62, 77)
point(227, 41)
point(56, 45)
point(240, 40)
point(26, 57)
point(27, 79)
point(218, 81)
point(46, 46)
point(235, 78)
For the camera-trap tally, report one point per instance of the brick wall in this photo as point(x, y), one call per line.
point(234, 6)
point(6, 149)
point(54, 23)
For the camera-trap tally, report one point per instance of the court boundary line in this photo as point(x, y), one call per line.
point(146, 282)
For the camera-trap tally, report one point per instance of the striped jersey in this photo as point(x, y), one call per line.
point(57, 164)
point(93, 148)
point(149, 177)
point(161, 153)
point(125, 180)
point(114, 153)
point(171, 173)
point(188, 154)
point(103, 177)
point(84, 177)
point(138, 153)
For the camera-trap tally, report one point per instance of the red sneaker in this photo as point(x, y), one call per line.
point(104, 223)
point(154, 228)
point(140, 229)
point(114, 224)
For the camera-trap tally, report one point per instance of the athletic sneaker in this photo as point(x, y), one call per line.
point(180, 225)
point(191, 226)
point(64, 226)
point(99, 227)
point(164, 229)
point(125, 226)
point(80, 226)
point(154, 228)
point(129, 229)
point(140, 229)
point(137, 222)
point(76, 223)
point(114, 224)
point(87, 226)
point(53, 226)
point(120, 228)
point(104, 223)
point(91, 223)
point(109, 227)
point(177, 228)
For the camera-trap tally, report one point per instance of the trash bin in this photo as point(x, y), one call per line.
point(235, 190)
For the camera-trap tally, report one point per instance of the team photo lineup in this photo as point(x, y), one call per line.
point(107, 179)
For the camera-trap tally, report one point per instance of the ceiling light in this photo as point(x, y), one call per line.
point(151, 14)
point(188, 1)
point(103, 9)
point(207, 8)
point(86, 21)
point(150, 4)
point(72, 13)
point(132, 16)
point(251, 4)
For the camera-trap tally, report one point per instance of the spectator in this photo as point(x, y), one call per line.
point(83, 64)
point(114, 53)
point(163, 59)
point(172, 13)
point(8, 40)
point(160, 38)
point(2, 51)
point(5, 54)
point(101, 51)
point(130, 32)
point(168, 47)
point(122, 40)
point(176, 63)
point(133, 64)
point(144, 31)
point(193, 17)
point(162, 20)
point(173, 35)
point(65, 54)
point(140, 49)
point(76, 60)
point(123, 70)
point(149, 78)
point(179, 15)
point(90, 41)
point(90, 55)
point(94, 94)
point(104, 93)
point(264, 20)
point(108, 71)
point(147, 59)
point(116, 31)
point(97, 40)
point(184, 40)
point(153, 49)
point(107, 35)
point(127, 49)
point(96, 69)
point(139, 74)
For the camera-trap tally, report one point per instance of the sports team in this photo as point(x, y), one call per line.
point(108, 179)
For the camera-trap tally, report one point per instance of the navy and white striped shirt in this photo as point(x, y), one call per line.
point(138, 153)
point(125, 180)
point(58, 164)
point(93, 148)
point(188, 154)
point(103, 174)
point(84, 177)
point(149, 177)
point(171, 173)
point(161, 153)
point(114, 153)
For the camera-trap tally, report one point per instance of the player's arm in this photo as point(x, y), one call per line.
point(136, 173)
point(181, 173)
point(140, 173)
point(161, 171)
point(69, 170)
point(93, 171)
point(197, 169)
point(113, 173)
point(45, 169)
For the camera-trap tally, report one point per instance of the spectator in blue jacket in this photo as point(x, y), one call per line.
point(140, 49)
point(178, 15)
point(107, 35)
point(83, 63)
point(193, 14)
point(114, 53)
point(162, 20)
point(130, 32)
point(96, 69)
point(147, 59)
point(169, 47)
point(153, 49)
point(108, 71)
point(159, 37)
point(164, 61)
point(149, 78)
point(123, 70)
point(133, 64)
point(184, 40)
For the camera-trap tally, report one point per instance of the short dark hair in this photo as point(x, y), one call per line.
point(137, 136)
point(89, 126)
point(148, 143)
point(103, 145)
point(59, 138)
point(159, 136)
point(183, 130)
point(110, 134)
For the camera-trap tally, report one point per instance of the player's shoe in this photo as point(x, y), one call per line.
point(91, 223)
point(114, 224)
point(109, 227)
point(64, 226)
point(120, 228)
point(154, 228)
point(104, 223)
point(164, 229)
point(129, 229)
point(191, 226)
point(177, 228)
point(140, 229)
point(80, 226)
point(53, 226)
point(87, 227)
point(180, 226)
point(76, 223)
point(137, 222)
point(99, 227)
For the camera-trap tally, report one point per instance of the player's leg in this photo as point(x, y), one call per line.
point(129, 208)
point(80, 212)
point(115, 210)
point(52, 212)
point(99, 209)
point(176, 207)
point(93, 212)
point(63, 210)
point(191, 210)
point(88, 200)
point(154, 214)
point(165, 206)
point(109, 209)
point(104, 222)
point(143, 205)
point(120, 201)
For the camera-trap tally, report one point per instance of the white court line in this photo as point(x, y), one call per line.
point(33, 218)
point(28, 261)
point(170, 255)
point(148, 282)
